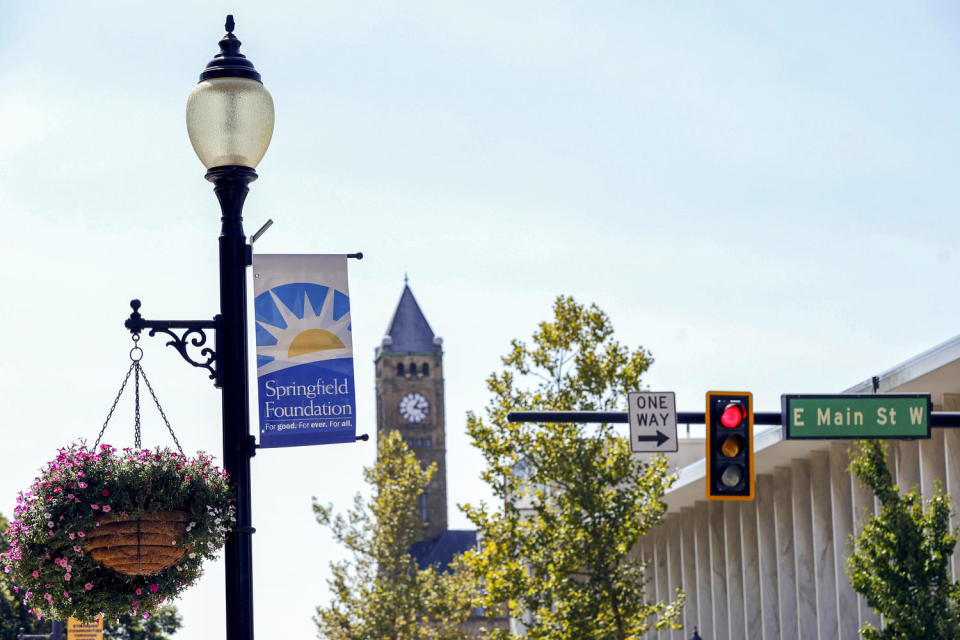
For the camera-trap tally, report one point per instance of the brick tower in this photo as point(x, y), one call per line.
point(409, 390)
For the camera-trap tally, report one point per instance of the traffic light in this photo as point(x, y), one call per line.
point(729, 421)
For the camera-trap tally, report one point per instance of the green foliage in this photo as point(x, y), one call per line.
point(575, 501)
point(381, 593)
point(160, 626)
point(900, 560)
point(13, 615)
point(47, 558)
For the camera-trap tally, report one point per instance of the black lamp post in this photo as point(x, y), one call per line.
point(230, 122)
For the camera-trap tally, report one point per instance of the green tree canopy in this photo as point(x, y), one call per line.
point(160, 626)
point(900, 560)
point(573, 500)
point(380, 592)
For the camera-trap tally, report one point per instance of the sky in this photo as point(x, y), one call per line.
point(763, 195)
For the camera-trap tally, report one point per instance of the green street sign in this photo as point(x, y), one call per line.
point(828, 417)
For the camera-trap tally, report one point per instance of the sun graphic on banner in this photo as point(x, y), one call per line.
point(299, 323)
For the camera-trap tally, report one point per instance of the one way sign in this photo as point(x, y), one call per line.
point(653, 421)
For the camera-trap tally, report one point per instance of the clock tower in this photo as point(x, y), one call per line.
point(409, 389)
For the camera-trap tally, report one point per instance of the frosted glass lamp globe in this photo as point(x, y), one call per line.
point(230, 121)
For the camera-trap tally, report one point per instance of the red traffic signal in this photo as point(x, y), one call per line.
point(729, 426)
point(732, 416)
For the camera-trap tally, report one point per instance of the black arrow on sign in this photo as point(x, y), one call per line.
point(660, 438)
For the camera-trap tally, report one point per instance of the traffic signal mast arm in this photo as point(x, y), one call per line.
point(942, 419)
point(683, 417)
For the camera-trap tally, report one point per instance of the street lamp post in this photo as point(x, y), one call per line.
point(230, 123)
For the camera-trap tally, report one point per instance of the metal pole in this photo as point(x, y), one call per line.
point(941, 419)
point(56, 633)
point(230, 185)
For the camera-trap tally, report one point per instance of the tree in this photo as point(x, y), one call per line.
point(13, 615)
point(381, 592)
point(900, 559)
point(575, 502)
point(160, 626)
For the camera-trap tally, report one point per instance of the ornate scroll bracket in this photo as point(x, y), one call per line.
point(193, 335)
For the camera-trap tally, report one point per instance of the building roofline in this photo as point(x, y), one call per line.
point(919, 365)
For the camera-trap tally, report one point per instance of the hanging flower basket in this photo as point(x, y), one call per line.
point(141, 546)
point(115, 532)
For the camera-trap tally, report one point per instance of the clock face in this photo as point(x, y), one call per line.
point(414, 407)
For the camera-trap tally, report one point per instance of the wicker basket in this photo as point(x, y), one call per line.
point(138, 546)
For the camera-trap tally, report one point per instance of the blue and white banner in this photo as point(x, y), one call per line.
point(304, 350)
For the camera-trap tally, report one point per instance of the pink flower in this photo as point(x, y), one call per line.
point(67, 577)
point(36, 574)
point(106, 508)
point(77, 548)
point(72, 536)
point(94, 506)
point(82, 485)
point(87, 586)
point(139, 590)
point(154, 588)
point(81, 534)
point(146, 615)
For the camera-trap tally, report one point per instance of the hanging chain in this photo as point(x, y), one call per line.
point(115, 401)
point(162, 414)
point(136, 355)
point(136, 405)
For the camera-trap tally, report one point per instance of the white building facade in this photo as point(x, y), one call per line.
point(775, 567)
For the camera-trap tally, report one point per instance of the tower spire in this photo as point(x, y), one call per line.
point(409, 330)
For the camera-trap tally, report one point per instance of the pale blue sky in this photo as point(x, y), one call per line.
point(763, 195)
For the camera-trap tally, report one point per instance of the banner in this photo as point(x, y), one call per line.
point(304, 350)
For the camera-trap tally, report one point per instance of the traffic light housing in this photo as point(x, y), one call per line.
point(729, 422)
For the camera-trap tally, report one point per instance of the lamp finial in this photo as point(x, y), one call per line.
point(230, 63)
